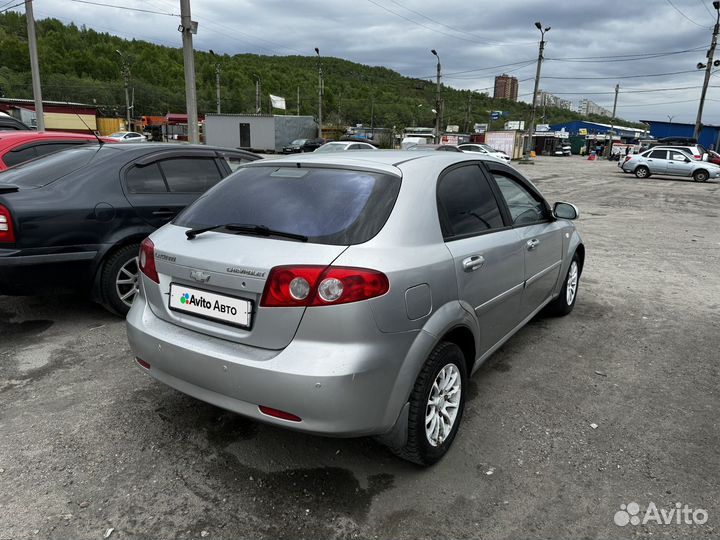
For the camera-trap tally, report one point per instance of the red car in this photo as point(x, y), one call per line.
point(19, 146)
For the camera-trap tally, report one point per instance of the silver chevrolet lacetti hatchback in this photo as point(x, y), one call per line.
point(351, 295)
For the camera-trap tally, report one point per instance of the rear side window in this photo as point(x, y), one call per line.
point(329, 206)
point(45, 149)
point(41, 172)
point(658, 154)
point(146, 179)
point(16, 157)
point(190, 175)
point(468, 203)
point(234, 161)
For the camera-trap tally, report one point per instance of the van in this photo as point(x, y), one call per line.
point(407, 142)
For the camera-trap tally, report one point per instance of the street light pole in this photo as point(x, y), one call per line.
point(438, 100)
point(320, 92)
point(708, 68)
point(34, 67)
point(531, 130)
point(217, 80)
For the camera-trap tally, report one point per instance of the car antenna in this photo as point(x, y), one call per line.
point(99, 140)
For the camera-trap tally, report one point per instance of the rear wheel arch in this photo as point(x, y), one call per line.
point(101, 261)
point(463, 337)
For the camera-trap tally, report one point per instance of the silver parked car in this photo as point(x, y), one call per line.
point(670, 162)
point(352, 295)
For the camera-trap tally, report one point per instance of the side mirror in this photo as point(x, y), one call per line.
point(563, 210)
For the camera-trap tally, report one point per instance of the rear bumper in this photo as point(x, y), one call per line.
point(29, 272)
point(337, 389)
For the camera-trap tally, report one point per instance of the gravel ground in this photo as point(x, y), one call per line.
point(573, 417)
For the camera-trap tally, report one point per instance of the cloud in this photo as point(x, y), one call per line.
point(399, 34)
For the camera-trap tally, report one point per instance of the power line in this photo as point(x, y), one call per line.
point(458, 29)
point(631, 91)
point(125, 8)
point(624, 76)
point(683, 14)
point(425, 25)
point(9, 8)
point(706, 8)
point(624, 57)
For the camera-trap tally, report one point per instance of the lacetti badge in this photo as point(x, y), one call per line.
point(188, 299)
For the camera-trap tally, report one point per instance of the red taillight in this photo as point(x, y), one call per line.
point(697, 157)
point(628, 158)
point(279, 414)
point(289, 286)
point(143, 363)
point(7, 233)
point(147, 260)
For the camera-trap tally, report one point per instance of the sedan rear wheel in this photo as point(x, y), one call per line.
point(119, 281)
point(642, 172)
point(700, 176)
point(436, 406)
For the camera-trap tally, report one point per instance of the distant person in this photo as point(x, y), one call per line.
point(627, 150)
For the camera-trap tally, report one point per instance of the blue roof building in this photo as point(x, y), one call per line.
point(708, 135)
point(583, 128)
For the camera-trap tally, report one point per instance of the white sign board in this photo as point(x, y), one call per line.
point(543, 127)
point(515, 124)
point(501, 140)
point(480, 128)
point(453, 129)
point(449, 139)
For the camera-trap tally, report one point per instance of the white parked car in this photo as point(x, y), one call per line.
point(480, 148)
point(128, 136)
point(340, 146)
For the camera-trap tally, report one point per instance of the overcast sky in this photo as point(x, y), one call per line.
point(471, 38)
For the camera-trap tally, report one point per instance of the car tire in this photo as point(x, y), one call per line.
point(446, 359)
point(119, 279)
point(701, 176)
point(565, 302)
point(642, 172)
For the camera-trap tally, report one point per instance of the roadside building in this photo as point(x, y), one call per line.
point(58, 115)
point(506, 87)
point(709, 136)
point(587, 107)
point(592, 135)
point(257, 132)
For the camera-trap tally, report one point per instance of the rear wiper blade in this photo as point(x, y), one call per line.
point(259, 230)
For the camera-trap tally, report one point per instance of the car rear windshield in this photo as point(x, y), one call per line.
point(42, 171)
point(329, 206)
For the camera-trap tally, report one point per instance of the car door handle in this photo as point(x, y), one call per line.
point(532, 244)
point(472, 263)
point(164, 212)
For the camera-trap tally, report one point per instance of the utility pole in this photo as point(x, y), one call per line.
point(467, 113)
point(34, 66)
point(708, 68)
point(217, 80)
point(126, 78)
point(320, 92)
point(298, 101)
point(258, 105)
point(438, 100)
point(531, 130)
point(188, 27)
point(612, 122)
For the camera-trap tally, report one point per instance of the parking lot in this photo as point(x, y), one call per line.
point(572, 418)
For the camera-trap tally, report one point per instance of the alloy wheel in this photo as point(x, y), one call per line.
point(572, 282)
point(442, 405)
point(126, 281)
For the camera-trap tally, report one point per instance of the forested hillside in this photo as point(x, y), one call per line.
point(80, 64)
